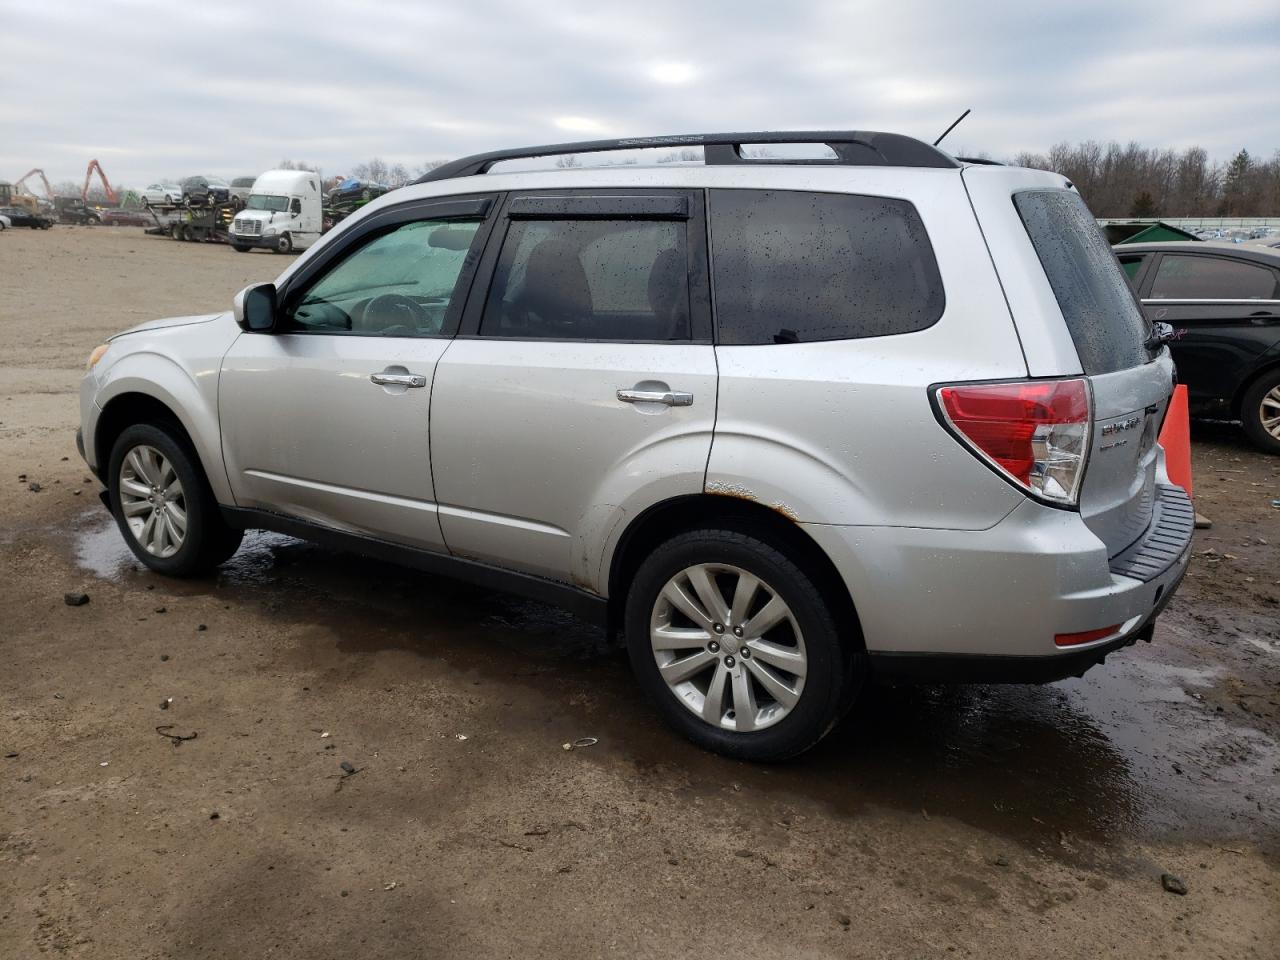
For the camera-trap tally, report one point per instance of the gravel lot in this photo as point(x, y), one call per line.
point(981, 821)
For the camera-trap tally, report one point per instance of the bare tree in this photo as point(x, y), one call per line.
point(1113, 179)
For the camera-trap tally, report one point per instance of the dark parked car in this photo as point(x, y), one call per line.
point(205, 191)
point(75, 210)
point(1223, 301)
point(21, 217)
point(127, 218)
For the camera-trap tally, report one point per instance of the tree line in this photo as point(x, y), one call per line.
point(1138, 181)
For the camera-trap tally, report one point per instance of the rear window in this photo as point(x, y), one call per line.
point(793, 267)
point(1097, 302)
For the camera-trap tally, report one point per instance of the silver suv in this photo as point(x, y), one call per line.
point(786, 425)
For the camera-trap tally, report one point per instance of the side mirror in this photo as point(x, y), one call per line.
point(255, 308)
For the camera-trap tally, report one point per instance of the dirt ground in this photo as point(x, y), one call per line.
point(979, 821)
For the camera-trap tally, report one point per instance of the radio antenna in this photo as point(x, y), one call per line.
point(952, 127)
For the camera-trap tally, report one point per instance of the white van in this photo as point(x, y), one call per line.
point(282, 213)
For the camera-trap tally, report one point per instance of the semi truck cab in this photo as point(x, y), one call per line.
point(282, 213)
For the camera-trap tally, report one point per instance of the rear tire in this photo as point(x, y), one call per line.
point(726, 702)
point(1260, 412)
point(163, 505)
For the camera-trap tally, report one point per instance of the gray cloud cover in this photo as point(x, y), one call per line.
point(167, 89)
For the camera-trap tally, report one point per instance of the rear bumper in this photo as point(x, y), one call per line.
point(985, 605)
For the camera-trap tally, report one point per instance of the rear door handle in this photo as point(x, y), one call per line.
point(672, 398)
point(398, 379)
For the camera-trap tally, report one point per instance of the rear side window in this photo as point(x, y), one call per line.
point(1211, 278)
point(1096, 301)
point(590, 280)
point(792, 267)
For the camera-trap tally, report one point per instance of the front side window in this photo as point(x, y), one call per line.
point(794, 267)
point(590, 280)
point(1182, 277)
point(399, 284)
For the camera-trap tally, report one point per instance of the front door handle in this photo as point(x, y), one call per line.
point(398, 379)
point(672, 398)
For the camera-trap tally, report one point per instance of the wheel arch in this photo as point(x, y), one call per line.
point(135, 406)
point(706, 511)
point(1270, 364)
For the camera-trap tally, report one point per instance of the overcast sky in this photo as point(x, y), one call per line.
point(169, 89)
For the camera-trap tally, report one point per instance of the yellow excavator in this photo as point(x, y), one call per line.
point(11, 196)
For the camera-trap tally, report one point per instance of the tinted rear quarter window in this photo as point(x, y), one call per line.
point(1211, 278)
point(793, 267)
point(1097, 302)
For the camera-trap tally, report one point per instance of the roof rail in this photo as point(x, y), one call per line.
point(852, 148)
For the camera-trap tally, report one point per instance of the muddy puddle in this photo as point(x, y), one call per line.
point(1140, 747)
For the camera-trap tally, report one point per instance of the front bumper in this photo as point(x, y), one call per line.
point(985, 605)
point(254, 241)
point(83, 456)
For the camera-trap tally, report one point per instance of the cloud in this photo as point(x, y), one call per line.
point(162, 90)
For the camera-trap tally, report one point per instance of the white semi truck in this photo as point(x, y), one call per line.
point(283, 213)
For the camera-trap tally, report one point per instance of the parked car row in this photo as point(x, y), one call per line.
point(197, 191)
point(22, 217)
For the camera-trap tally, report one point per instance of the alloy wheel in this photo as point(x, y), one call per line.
point(152, 501)
point(728, 647)
point(1269, 411)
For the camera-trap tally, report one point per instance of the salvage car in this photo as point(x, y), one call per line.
point(353, 191)
point(74, 210)
point(21, 217)
point(205, 191)
point(241, 188)
point(165, 194)
point(121, 217)
point(786, 427)
point(1223, 301)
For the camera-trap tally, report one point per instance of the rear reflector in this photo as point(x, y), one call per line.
point(1035, 432)
point(1087, 636)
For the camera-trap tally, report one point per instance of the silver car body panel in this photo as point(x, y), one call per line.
point(308, 433)
point(176, 362)
point(1128, 405)
point(538, 461)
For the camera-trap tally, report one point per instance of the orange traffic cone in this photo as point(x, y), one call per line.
point(1175, 437)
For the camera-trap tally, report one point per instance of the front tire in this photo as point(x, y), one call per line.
point(163, 505)
point(735, 646)
point(1260, 412)
point(284, 244)
point(240, 248)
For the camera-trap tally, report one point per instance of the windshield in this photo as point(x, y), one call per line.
point(261, 201)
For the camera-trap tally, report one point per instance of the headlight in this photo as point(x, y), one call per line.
point(268, 231)
point(97, 355)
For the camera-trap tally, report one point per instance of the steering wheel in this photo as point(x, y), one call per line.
point(395, 315)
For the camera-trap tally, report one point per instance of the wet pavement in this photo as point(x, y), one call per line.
point(1140, 747)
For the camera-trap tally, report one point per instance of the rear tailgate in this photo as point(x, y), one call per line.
point(1076, 314)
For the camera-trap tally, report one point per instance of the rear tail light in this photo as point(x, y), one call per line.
point(1084, 636)
point(1034, 433)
